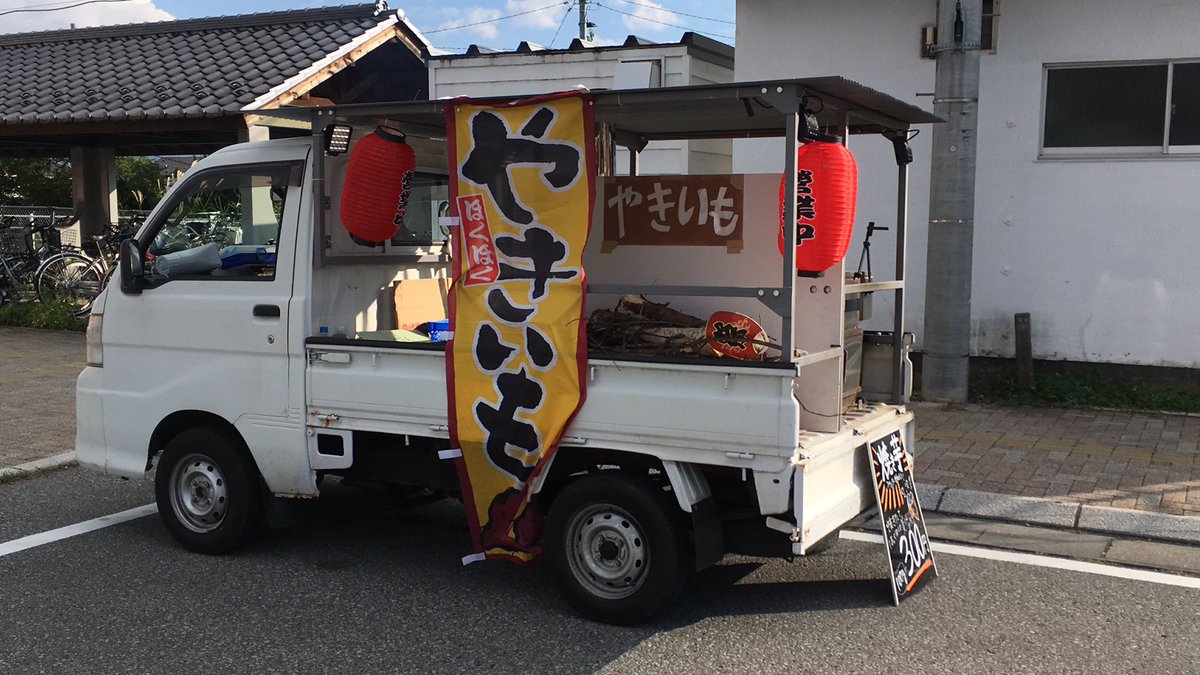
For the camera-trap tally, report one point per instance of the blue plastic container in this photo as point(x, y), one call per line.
point(439, 331)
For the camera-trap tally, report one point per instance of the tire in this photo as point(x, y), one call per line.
point(71, 276)
point(208, 491)
point(617, 547)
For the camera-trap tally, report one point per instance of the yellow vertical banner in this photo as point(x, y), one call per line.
point(523, 184)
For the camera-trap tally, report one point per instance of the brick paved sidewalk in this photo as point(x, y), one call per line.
point(37, 393)
point(1144, 461)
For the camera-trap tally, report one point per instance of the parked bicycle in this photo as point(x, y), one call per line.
point(78, 276)
point(16, 262)
point(23, 251)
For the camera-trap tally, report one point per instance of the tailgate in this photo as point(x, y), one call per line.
point(832, 483)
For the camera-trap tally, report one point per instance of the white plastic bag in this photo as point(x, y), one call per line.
point(204, 258)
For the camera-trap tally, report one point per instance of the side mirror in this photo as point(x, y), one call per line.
point(131, 267)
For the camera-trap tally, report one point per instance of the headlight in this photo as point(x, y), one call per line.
point(95, 350)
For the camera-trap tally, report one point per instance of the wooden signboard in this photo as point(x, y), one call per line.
point(673, 211)
point(910, 558)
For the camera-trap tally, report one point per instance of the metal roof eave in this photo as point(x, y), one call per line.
point(740, 109)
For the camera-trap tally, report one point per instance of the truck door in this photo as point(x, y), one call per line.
point(209, 332)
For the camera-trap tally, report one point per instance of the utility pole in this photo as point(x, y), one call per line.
point(944, 369)
point(584, 34)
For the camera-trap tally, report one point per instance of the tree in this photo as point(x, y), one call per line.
point(140, 183)
point(46, 181)
point(35, 181)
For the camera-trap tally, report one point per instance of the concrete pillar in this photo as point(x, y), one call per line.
point(94, 188)
point(254, 133)
point(945, 367)
point(258, 213)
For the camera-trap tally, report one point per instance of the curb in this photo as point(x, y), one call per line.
point(45, 464)
point(1068, 515)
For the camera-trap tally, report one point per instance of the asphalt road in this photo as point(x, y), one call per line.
point(355, 585)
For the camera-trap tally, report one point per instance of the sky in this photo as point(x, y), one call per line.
point(449, 24)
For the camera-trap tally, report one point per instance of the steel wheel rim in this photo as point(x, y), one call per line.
point(607, 552)
point(199, 493)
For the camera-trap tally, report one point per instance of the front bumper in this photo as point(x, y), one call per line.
point(90, 447)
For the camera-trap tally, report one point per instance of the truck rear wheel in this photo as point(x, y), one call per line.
point(207, 490)
point(617, 547)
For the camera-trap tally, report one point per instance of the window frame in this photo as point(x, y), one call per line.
point(387, 251)
point(1162, 151)
point(992, 20)
point(392, 247)
point(184, 190)
point(1194, 149)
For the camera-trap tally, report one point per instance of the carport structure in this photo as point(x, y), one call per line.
point(179, 87)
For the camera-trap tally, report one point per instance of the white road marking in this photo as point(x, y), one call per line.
point(51, 536)
point(43, 538)
point(1045, 561)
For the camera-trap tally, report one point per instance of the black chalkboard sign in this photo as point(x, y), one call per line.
point(910, 557)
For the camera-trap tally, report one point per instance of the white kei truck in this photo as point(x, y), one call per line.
point(250, 378)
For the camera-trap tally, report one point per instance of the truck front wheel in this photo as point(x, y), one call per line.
point(207, 490)
point(617, 547)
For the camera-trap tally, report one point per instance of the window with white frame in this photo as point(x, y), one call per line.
point(1128, 109)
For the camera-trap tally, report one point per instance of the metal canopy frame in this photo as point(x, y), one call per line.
point(767, 109)
point(737, 110)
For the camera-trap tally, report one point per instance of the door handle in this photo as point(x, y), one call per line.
point(267, 311)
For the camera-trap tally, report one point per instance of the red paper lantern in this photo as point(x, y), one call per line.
point(378, 179)
point(826, 193)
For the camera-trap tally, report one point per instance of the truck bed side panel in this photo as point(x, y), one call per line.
point(630, 406)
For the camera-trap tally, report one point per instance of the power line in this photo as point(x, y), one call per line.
point(672, 25)
point(560, 24)
point(40, 4)
point(675, 11)
point(45, 8)
point(465, 25)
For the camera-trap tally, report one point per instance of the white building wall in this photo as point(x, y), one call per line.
point(1101, 252)
point(514, 74)
point(794, 38)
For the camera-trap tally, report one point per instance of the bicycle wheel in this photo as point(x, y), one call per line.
point(72, 277)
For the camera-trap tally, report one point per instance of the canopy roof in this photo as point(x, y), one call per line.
point(741, 109)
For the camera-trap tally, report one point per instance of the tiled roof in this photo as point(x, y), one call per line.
point(170, 69)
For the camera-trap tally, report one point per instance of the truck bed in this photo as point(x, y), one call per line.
point(726, 414)
point(702, 413)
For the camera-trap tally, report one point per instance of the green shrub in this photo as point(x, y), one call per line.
point(1077, 391)
point(52, 315)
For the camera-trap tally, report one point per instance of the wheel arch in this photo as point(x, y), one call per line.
point(572, 462)
point(687, 481)
point(179, 421)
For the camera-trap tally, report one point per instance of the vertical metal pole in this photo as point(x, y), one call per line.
point(898, 313)
point(633, 162)
point(945, 368)
point(583, 20)
point(791, 134)
point(318, 184)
